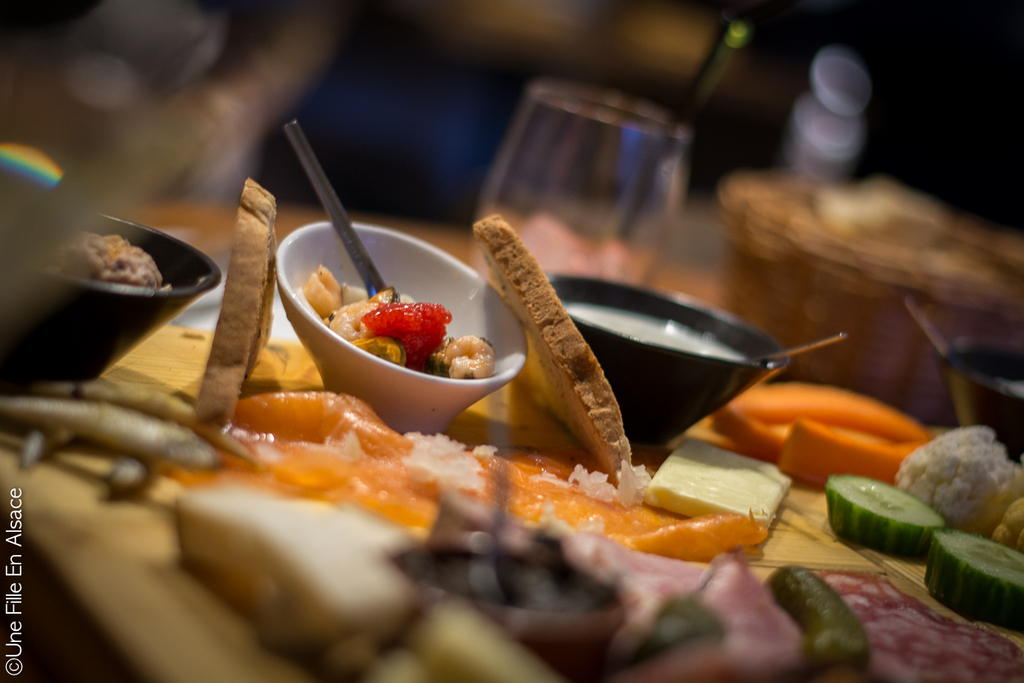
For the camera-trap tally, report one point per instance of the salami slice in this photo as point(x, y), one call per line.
point(912, 642)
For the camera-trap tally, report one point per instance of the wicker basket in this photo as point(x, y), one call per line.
point(799, 270)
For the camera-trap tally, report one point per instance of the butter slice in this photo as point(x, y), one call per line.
point(698, 479)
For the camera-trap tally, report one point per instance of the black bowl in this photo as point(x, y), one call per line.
point(95, 323)
point(662, 391)
point(972, 373)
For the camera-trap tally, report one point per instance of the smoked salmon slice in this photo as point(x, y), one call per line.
point(334, 447)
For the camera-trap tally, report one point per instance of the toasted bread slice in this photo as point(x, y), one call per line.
point(246, 313)
point(570, 381)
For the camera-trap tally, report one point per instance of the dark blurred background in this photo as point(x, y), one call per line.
point(406, 101)
point(414, 104)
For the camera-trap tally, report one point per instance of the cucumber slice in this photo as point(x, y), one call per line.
point(879, 516)
point(976, 576)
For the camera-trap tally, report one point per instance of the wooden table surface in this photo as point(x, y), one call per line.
point(106, 598)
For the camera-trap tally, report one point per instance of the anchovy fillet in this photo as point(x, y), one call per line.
point(39, 443)
point(127, 477)
point(119, 428)
point(149, 401)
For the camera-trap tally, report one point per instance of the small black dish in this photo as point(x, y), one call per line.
point(96, 323)
point(564, 616)
point(972, 373)
point(662, 391)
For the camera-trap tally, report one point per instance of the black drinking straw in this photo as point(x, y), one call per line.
point(737, 29)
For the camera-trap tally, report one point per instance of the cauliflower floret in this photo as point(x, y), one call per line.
point(965, 476)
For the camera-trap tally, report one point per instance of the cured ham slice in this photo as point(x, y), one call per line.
point(760, 636)
point(761, 640)
point(645, 581)
point(912, 642)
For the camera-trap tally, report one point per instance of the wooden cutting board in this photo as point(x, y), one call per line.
point(106, 598)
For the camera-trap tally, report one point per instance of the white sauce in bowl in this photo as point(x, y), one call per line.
point(660, 331)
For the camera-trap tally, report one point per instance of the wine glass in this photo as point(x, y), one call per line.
point(592, 179)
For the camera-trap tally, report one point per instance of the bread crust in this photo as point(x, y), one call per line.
point(246, 313)
point(571, 381)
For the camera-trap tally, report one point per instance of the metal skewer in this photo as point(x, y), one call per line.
point(927, 326)
point(785, 353)
point(339, 217)
point(485, 569)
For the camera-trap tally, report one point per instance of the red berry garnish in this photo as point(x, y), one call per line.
point(419, 327)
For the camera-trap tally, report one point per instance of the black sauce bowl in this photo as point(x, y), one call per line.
point(972, 374)
point(565, 616)
point(93, 324)
point(662, 391)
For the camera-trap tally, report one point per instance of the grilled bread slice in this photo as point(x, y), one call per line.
point(246, 313)
point(562, 366)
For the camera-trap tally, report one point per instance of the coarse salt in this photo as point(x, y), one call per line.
point(633, 483)
point(445, 462)
point(484, 453)
point(351, 449)
point(267, 452)
point(593, 484)
point(550, 478)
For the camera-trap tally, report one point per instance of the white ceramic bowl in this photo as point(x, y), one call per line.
point(405, 399)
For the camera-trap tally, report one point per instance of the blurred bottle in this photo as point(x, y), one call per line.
point(827, 128)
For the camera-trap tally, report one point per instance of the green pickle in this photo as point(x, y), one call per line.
point(680, 620)
point(832, 633)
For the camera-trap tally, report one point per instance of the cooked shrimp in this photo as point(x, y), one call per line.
point(323, 292)
point(469, 357)
point(347, 321)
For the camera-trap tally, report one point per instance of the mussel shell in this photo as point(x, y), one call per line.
point(435, 363)
point(388, 295)
point(388, 348)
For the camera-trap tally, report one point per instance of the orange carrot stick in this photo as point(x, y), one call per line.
point(750, 437)
point(705, 431)
point(784, 402)
point(698, 539)
point(814, 451)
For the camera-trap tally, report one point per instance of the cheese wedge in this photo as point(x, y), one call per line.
point(328, 566)
point(457, 644)
point(698, 479)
